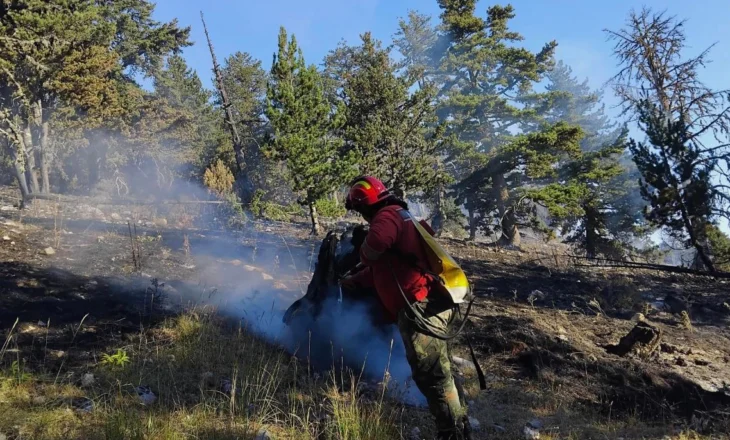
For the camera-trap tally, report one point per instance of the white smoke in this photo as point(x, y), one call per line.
point(255, 274)
point(267, 278)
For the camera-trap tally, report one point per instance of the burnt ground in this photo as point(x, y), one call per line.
point(551, 325)
point(90, 288)
point(540, 326)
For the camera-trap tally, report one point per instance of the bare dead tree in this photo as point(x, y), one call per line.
point(238, 146)
point(655, 78)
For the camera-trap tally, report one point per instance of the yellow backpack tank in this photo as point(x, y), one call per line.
point(441, 264)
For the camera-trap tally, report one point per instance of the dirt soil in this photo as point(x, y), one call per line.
point(541, 326)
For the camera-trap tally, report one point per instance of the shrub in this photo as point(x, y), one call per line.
point(233, 211)
point(118, 359)
point(281, 213)
point(329, 208)
point(258, 204)
point(719, 247)
point(219, 178)
point(620, 294)
point(273, 211)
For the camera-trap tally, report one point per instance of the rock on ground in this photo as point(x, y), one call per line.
point(49, 251)
point(83, 404)
point(263, 434)
point(146, 396)
point(463, 363)
point(87, 380)
point(530, 433)
point(416, 434)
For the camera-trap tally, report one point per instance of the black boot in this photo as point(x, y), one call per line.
point(462, 433)
point(467, 429)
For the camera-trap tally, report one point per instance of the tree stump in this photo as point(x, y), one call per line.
point(642, 340)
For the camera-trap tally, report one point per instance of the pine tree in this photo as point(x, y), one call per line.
point(478, 71)
point(683, 162)
point(394, 133)
point(594, 197)
point(675, 182)
point(303, 123)
point(39, 45)
point(719, 243)
point(575, 103)
point(141, 42)
point(518, 172)
point(245, 82)
point(416, 41)
point(589, 200)
point(57, 42)
point(179, 87)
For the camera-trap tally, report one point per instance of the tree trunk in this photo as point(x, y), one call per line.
point(700, 247)
point(20, 176)
point(45, 158)
point(510, 232)
point(314, 218)
point(472, 220)
point(507, 217)
point(92, 162)
point(244, 183)
point(29, 152)
point(591, 235)
point(44, 153)
point(438, 220)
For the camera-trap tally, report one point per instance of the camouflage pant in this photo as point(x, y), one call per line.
point(431, 367)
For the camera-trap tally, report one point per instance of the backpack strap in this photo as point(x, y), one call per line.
point(406, 216)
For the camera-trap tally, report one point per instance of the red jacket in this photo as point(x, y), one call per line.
point(389, 232)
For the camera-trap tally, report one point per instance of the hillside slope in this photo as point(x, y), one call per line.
point(97, 335)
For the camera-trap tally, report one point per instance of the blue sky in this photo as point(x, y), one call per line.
point(577, 25)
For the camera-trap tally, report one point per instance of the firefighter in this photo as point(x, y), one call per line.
point(391, 257)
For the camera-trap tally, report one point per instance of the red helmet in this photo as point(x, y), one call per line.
point(365, 191)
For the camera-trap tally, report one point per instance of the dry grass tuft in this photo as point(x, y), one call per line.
point(212, 380)
point(685, 321)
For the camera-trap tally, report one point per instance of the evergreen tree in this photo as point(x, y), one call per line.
point(179, 87)
point(245, 82)
point(594, 198)
point(519, 172)
point(57, 42)
point(684, 161)
point(416, 41)
point(719, 247)
point(675, 181)
point(575, 103)
point(303, 123)
point(141, 42)
point(478, 71)
point(393, 133)
point(589, 200)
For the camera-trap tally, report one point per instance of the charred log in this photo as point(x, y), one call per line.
point(642, 340)
point(337, 256)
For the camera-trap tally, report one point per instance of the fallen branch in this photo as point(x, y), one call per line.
point(124, 201)
point(650, 266)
